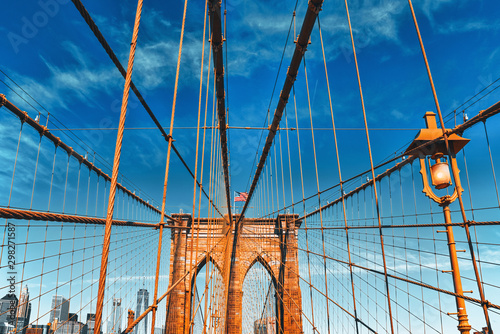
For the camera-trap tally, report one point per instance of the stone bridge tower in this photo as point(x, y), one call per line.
point(272, 242)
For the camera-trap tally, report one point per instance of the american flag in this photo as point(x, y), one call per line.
point(242, 197)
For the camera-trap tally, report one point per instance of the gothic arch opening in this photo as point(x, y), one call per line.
point(207, 298)
point(260, 304)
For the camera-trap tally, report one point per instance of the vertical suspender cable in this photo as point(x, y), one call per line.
point(193, 284)
point(169, 149)
point(304, 210)
point(372, 169)
point(340, 178)
point(319, 197)
point(217, 43)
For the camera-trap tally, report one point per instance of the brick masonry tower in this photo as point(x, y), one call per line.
point(271, 242)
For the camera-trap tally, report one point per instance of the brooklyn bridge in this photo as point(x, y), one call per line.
point(249, 167)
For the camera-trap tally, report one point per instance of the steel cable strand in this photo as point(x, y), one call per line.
point(318, 189)
point(197, 157)
point(334, 130)
point(114, 177)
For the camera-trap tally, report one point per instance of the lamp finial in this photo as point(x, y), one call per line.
point(430, 120)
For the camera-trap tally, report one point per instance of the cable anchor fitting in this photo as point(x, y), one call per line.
point(316, 8)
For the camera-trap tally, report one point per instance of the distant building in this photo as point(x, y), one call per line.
point(38, 329)
point(8, 306)
point(60, 309)
point(265, 326)
point(24, 305)
point(142, 305)
point(88, 327)
point(114, 325)
point(69, 327)
point(23, 311)
point(61, 320)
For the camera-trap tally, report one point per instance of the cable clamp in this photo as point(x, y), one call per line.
point(3, 99)
point(44, 129)
point(290, 78)
point(302, 48)
point(316, 8)
point(486, 303)
point(285, 101)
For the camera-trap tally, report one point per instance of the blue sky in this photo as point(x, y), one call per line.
point(50, 52)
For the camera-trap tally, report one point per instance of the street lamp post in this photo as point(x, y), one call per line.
point(427, 147)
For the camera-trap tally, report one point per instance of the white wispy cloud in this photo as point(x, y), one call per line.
point(80, 78)
point(466, 26)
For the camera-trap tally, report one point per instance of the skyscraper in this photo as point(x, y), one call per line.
point(142, 304)
point(23, 311)
point(114, 326)
point(60, 309)
point(8, 305)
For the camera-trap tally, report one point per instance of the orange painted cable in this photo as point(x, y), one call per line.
point(304, 207)
point(318, 190)
point(114, 177)
point(339, 169)
point(193, 238)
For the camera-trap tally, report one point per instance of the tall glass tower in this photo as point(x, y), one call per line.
point(60, 309)
point(142, 304)
point(114, 326)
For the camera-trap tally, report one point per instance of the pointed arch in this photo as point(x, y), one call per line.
point(259, 258)
point(208, 258)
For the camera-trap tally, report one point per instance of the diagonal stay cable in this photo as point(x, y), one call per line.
point(92, 25)
point(300, 48)
point(292, 21)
